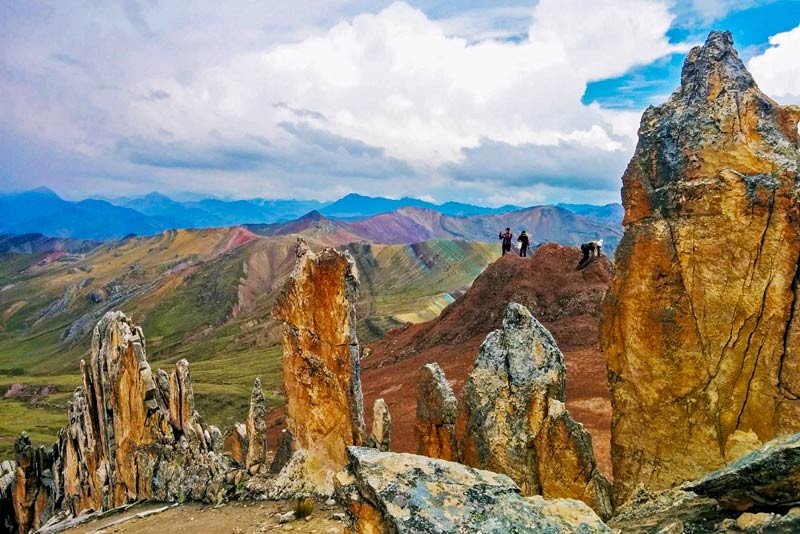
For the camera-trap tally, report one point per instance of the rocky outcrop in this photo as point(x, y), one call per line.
point(321, 373)
point(256, 457)
point(437, 409)
point(236, 443)
point(758, 493)
point(33, 491)
point(406, 493)
point(130, 436)
point(512, 417)
point(567, 302)
point(700, 330)
point(381, 436)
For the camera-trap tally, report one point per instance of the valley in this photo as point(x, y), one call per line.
point(205, 295)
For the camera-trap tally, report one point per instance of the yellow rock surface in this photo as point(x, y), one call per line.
point(700, 331)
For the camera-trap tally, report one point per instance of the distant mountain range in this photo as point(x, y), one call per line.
point(545, 224)
point(372, 218)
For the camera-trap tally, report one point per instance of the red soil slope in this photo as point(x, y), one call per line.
point(566, 301)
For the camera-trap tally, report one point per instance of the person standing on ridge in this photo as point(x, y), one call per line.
point(524, 241)
point(506, 237)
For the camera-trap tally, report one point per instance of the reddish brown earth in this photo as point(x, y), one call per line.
point(568, 302)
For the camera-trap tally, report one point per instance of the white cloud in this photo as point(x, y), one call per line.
point(777, 70)
point(412, 88)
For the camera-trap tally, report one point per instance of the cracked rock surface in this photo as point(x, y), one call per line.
point(700, 328)
point(405, 493)
point(321, 359)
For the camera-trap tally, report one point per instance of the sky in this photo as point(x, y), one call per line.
point(489, 102)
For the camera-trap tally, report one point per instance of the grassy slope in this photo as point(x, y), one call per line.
point(199, 297)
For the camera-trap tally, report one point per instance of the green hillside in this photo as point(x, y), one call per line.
point(203, 295)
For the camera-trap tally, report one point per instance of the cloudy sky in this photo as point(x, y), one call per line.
point(480, 101)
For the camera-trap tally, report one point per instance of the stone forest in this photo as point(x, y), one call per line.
point(699, 332)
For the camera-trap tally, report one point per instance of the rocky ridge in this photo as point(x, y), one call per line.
point(700, 327)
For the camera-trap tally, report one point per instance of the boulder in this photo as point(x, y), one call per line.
point(256, 430)
point(437, 409)
point(758, 493)
point(512, 418)
point(700, 328)
point(405, 493)
point(321, 370)
point(236, 444)
point(283, 453)
point(381, 437)
point(766, 478)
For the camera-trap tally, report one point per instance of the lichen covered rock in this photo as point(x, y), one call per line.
point(700, 327)
point(381, 436)
point(406, 493)
point(512, 419)
point(437, 409)
point(756, 494)
point(321, 370)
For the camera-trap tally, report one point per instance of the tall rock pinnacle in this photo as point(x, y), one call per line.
point(512, 418)
point(321, 368)
point(700, 327)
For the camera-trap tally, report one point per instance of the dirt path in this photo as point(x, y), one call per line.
point(253, 517)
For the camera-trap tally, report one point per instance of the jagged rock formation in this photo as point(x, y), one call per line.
point(34, 487)
point(512, 418)
point(700, 329)
point(437, 409)
point(406, 493)
point(256, 426)
point(758, 493)
point(129, 437)
point(381, 436)
point(321, 374)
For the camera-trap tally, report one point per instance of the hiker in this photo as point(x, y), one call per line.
point(506, 237)
point(590, 250)
point(524, 241)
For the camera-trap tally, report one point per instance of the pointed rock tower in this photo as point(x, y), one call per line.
point(321, 359)
point(700, 327)
point(512, 418)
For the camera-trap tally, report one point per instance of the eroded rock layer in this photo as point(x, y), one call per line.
point(321, 374)
point(700, 327)
point(512, 417)
point(758, 493)
point(129, 437)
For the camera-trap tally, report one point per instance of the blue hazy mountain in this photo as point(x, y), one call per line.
point(354, 206)
point(43, 211)
point(609, 212)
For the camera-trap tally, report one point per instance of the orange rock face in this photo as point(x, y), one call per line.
point(700, 327)
point(107, 420)
point(321, 373)
point(130, 436)
point(437, 409)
